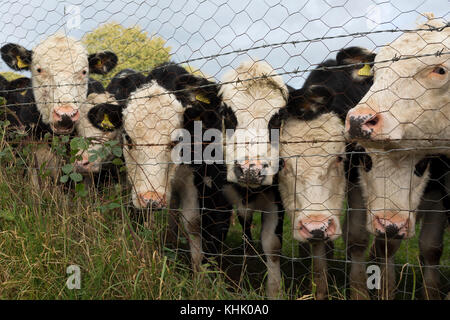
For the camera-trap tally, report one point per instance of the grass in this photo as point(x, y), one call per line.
point(42, 232)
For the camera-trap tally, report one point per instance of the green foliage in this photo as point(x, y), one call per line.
point(134, 48)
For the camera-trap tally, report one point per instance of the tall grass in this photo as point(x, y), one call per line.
point(43, 231)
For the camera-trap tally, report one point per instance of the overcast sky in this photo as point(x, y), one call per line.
point(195, 29)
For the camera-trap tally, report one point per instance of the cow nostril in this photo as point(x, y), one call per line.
point(318, 234)
point(372, 121)
point(391, 231)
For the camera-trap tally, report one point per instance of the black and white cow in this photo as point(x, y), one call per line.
point(157, 115)
point(252, 96)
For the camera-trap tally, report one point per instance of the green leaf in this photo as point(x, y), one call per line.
point(113, 205)
point(117, 151)
point(67, 168)
point(76, 177)
point(64, 178)
point(117, 162)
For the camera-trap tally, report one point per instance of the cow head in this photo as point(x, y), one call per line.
point(312, 182)
point(408, 102)
point(150, 119)
point(393, 184)
point(100, 121)
point(252, 96)
point(60, 68)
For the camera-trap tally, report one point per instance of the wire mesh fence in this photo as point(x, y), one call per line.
point(296, 149)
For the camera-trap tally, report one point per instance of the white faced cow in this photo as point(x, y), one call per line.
point(60, 68)
point(154, 120)
point(312, 182)
point(405, 109)
point(253, 95)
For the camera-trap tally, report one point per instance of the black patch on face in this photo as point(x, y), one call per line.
point(356, 131)
point(275, 123)
point(230, 120)
point(129, 141)
point(308, 103)
point(421, 167)
point(347, 90)
point(97, 115)
point(11, 51)
point(124, 83)
point(95, 86)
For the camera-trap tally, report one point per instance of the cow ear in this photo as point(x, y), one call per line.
point(352, 55)
point(16, 56)
point(102, 62)
point(106, 116)
point(198, 89)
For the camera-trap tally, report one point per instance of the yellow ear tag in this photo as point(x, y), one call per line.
point(23, 92)
point(20, 63)
point(365, 71)
point(99, 63)
point(202, 98)
point(106, 123)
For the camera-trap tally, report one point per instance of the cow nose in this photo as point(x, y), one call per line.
point(316, 228)
point(250, 171)
point(152, 200)
point(65, 111)
point(391, 226)
point(362, 123)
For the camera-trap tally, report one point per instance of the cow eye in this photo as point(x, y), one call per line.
point(339, 159)
point(84, 72)
point(39, 70)
point(439, 70)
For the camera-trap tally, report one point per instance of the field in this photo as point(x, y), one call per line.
point(122, 256)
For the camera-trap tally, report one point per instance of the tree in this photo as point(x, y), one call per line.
point(134, 48)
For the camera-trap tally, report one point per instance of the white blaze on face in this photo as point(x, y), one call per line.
point(312, 182)
point(392, 190)
point(151, 117)
point(60, 73)
point(87, 130)
point(411, 96)
point(253, 102)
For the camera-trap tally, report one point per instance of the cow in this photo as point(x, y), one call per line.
point(59, 86)
point(312, 182)
point(347, 77)
point(156, 117)
point(101, 116)
point(253, 95)
point(405, 111)
point(13, 99)
point(408, 104)
point(100, 122)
